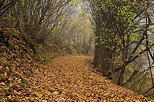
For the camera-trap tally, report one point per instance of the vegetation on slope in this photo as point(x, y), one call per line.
point(16, 64)
point(124, 42)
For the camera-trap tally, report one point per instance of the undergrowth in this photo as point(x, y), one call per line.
point(16, 65)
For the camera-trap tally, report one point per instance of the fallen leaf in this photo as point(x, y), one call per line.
point(39, 95)
point(44, 101)
point(7, 88)
point(137, 101)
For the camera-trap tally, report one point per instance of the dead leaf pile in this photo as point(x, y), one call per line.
point(16, 65)
point(69, 79)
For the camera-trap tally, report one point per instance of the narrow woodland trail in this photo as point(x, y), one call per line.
point(69, 79)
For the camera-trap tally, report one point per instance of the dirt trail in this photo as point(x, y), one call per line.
point(68, 79)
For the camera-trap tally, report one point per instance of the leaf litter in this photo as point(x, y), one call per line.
point(69, 79)
point(65, 79)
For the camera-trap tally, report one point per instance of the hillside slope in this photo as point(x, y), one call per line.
point(69, 79)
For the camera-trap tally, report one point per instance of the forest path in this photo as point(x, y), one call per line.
point(69, 79)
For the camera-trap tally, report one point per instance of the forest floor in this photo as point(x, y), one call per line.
point(70, 79)
point(65, 79)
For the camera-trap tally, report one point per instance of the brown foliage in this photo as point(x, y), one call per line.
point(15, 64)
